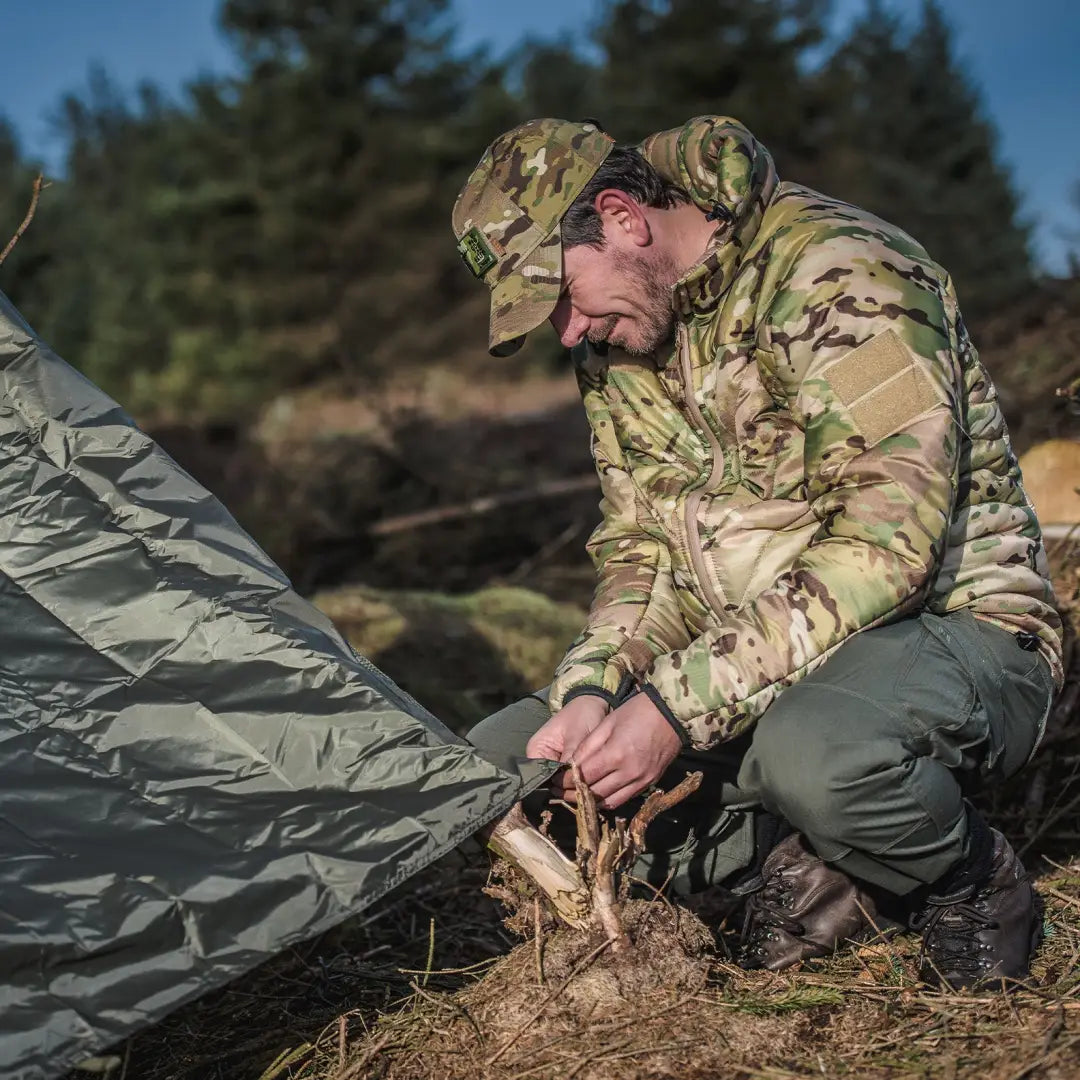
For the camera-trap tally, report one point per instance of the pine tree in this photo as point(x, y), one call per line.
point(666, 62)
point(911, 142)
point(290, 224)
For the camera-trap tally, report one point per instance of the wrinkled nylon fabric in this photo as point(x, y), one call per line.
point(196, 770)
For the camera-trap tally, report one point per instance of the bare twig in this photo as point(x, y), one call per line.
point(599, 849)
point(548, 489)
point(431, 951)
point(39, 186)
point(1057, 1026)
point(657, 803)
point(358, 1067)
point(588, 824)
point(608, 1055)
point(1035, 797)
point(1059, 895)
point(1052, 819)
point(526, 566)
point(539, 939)
point(446, 1001)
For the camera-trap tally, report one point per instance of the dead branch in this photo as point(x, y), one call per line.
point(657, 803)
point(39, 186)
point(598, 853)
point(548, 489)
point(589, 892)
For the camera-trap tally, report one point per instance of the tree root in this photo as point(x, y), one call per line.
point(589, 892)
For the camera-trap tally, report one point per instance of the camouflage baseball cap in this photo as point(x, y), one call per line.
point(506, 219)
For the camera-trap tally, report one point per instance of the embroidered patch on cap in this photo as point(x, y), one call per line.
point(475, 250)
point(883, 386)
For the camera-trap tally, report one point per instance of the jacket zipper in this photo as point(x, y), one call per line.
point(693, 501)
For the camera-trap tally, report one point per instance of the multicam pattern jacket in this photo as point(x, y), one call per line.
point(821, 452)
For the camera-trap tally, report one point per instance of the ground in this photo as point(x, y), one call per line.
point(382, 997)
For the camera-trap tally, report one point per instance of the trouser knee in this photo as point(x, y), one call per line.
point(504, 735)
point(861, 795)
point(808, 784)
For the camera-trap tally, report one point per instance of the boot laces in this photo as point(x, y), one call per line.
point(950, 936)
point(765, 911)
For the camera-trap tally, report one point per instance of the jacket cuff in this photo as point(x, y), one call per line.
point(592, 691)
point(653, 695)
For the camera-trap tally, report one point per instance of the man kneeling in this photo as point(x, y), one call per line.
point(819, 579)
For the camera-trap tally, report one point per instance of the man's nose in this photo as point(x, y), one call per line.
point(569, 324)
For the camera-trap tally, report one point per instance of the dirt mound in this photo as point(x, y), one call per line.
point(567, 974)
point(567, 1000)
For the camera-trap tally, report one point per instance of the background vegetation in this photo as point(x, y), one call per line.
point(262, 272)
point(289, 225)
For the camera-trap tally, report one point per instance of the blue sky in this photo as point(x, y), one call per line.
point(1025, 57)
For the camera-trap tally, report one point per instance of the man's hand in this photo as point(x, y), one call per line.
point(562, 734)
point(627, 751)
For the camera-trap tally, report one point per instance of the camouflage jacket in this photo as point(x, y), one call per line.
point(819, 453)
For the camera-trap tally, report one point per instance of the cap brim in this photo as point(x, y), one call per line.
point(525, 298)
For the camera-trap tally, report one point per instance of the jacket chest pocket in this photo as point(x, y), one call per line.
point(648, 425)
point(770, 442)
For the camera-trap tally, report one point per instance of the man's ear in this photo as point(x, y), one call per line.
point(624, 215)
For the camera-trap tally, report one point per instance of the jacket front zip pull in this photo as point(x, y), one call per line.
point(693, 501)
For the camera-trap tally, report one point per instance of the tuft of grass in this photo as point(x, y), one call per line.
point(795, 999)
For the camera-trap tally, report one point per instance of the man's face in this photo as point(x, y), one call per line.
point(619, 294)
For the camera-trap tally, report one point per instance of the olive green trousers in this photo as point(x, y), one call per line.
point(870, 757)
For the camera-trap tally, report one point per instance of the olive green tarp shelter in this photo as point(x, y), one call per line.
point(196, 770)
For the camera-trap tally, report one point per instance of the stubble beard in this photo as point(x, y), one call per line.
point(655, 320)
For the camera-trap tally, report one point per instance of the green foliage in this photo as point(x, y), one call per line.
point(663, 63)
point(914, 145)
point(289, 225)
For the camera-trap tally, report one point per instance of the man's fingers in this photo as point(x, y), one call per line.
point(546, 743)
point(562, 782)
point(542, 750)
point(612, 782)
point(613, 802)
point(592, 743)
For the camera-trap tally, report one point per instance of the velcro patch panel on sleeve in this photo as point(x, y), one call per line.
point(883, 386)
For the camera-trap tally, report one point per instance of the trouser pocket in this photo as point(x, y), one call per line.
point(992, 730)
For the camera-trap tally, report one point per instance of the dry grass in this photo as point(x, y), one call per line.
point(861, 1014)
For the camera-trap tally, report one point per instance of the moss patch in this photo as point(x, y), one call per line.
point(463, 657)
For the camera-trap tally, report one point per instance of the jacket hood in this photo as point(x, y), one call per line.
point(726, 171)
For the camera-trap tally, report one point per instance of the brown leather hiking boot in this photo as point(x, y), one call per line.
point(985, 930)
point(802, 908)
